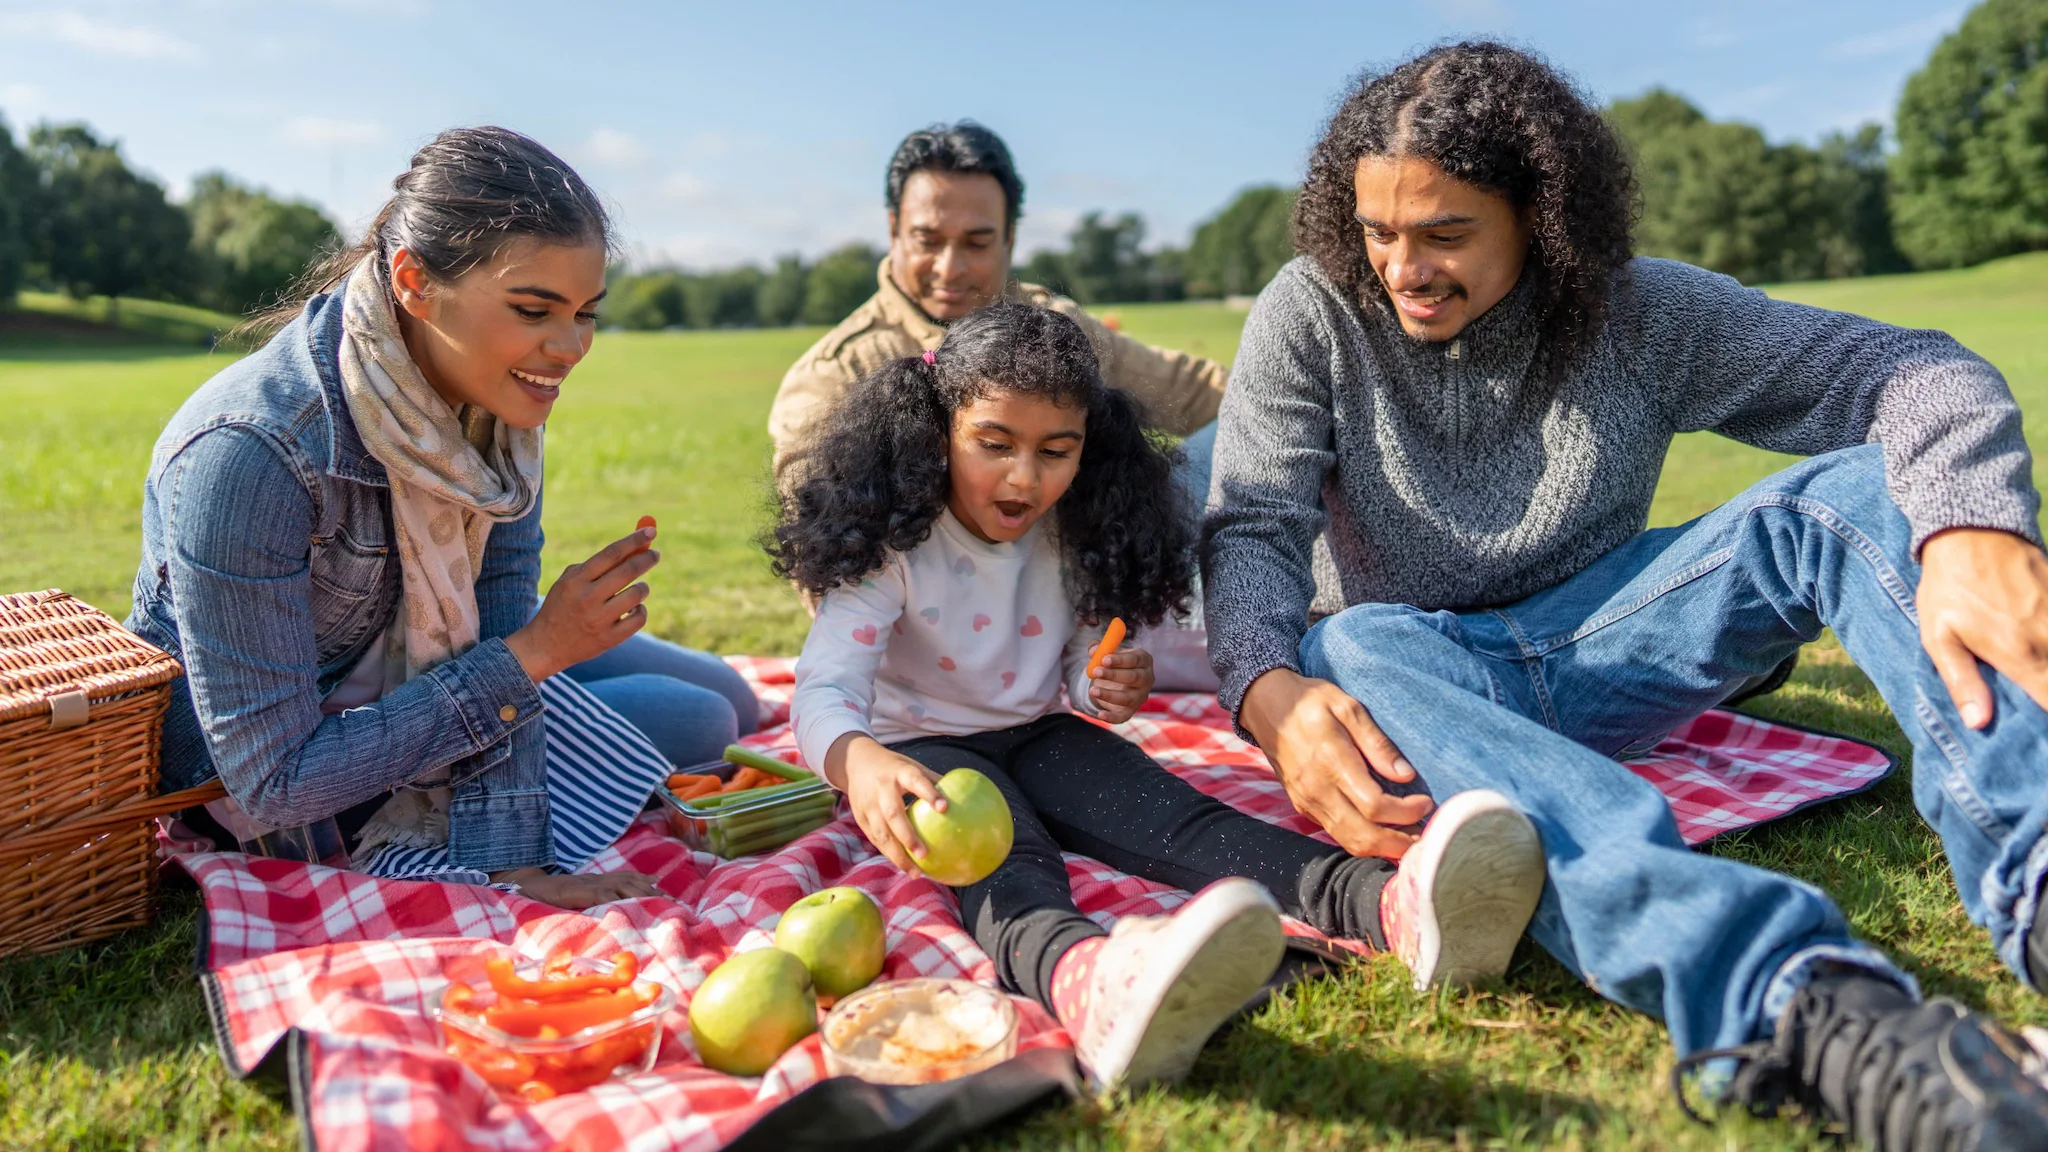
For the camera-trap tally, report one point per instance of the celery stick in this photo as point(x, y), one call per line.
point(759, 821)
point(748, 758)
point(764, 842)
point(720, 799)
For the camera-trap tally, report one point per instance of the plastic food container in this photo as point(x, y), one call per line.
point(538, 1069)
point(919, 1031)
point(735, 824)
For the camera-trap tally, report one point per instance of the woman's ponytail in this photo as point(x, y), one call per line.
point(466, 195)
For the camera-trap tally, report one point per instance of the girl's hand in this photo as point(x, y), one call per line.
point(590, 610)
point(876, 780)
point(1125, 681)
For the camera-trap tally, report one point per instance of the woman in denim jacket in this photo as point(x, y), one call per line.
point(334, 669)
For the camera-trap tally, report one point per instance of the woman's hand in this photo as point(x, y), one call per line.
point(578, 892)
point(1984, 596)
point(875, 780)
point(590, 610)
point(1330, 757)
point(1124, 682)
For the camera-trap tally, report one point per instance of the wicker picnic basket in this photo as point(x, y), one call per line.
point(81, 711)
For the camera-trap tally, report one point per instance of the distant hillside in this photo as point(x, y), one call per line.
point(48, 317)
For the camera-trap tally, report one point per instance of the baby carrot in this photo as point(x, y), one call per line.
point(645, 522)
point(1111, 637)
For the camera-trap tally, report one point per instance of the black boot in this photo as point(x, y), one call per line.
point(1856, 1052)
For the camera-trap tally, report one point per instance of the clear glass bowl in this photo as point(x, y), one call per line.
point(514, 1064)
point(740, 825)
point(919, 1031)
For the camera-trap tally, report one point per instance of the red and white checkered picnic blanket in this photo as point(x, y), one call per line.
point(346, 965)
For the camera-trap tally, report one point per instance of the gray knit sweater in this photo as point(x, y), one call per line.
point(1448, 476)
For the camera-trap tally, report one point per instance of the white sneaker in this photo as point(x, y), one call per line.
point(1163, 984)
point(1464, 892)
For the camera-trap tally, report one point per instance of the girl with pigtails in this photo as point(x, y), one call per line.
point(971, 521)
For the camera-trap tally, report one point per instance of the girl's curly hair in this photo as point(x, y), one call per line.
point(878, 477)
point(1501, 119)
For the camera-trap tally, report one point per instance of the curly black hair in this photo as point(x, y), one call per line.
point(1503, 120)
point(878, 477)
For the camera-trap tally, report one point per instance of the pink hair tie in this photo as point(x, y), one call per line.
point(931, 356)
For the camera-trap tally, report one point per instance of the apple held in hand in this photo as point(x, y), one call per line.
point(751, 1009)
point(971, 837)
point(838, 935)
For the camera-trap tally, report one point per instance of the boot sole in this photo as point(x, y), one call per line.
point(1481, 893)
point(1173, 1015)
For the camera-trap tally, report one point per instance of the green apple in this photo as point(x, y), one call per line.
point(751, 1009)
point(838, 935)
point(971, 837)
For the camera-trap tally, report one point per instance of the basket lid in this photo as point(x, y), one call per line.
point(54, 647)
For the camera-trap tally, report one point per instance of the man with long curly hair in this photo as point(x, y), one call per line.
point(1469, 381)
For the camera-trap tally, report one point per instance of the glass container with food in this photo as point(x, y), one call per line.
point(539, 1030)
point(919, 1031)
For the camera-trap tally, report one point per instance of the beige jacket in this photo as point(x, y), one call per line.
point(1179, 392)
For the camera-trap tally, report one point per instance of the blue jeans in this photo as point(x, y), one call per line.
point(690, 704)
point(1540, 698)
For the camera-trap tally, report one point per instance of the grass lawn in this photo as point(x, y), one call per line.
point(108, 1046)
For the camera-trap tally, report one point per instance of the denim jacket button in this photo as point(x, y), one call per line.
point(508, 713)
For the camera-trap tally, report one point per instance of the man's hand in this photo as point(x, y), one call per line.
point(1125, 681)
point(1326, 749)
point(1984, 596)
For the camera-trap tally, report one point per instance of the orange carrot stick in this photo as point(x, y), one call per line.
point(509, 983)
point(565, 1016)
point(1111, 637)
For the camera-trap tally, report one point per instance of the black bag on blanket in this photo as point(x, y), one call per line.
point(851, 1115)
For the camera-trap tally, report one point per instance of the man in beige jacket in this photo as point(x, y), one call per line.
point(953, 201)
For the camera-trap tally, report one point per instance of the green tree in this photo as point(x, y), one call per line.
point(840, 282)
point(1970, 179)
point(17, 192)
point(251, 246)
point(1857, 182)
point(1721, 196)
point(1106, 263)
point(645, 302)
point(725, 298)
point(101, 228)
point(781, 302)
point(1235, 252)
point(1048, 268)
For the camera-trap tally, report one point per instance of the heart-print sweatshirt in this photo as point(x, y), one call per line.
point(956, 636)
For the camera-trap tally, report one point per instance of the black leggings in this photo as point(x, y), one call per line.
point(1075, 786)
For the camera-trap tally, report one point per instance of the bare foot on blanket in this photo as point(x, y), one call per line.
point(579, 892)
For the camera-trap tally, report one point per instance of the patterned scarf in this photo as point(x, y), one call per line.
point(453, 475)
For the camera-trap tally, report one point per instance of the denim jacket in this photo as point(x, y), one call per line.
point(268, 569)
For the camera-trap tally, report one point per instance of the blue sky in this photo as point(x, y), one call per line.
point(735, 131)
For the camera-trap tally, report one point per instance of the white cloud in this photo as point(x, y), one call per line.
point(131, 42)
point(1918, 35)
point(21, 103)
point(611, 147)
point(322, 130)
point(685, 188)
